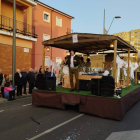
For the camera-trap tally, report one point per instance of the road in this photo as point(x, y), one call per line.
point(19, 120)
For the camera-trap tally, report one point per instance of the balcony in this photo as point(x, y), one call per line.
point(22, 28)
point(31, 2)
point(20, 2)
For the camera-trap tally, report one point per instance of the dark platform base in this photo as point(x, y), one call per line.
point(100, 106)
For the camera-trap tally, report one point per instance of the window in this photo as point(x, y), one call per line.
point(132, 39)
point(46, 57)
point(46, 16)
point(58, 60)
point(46, 37)
point(135, 32)
point(59, 21)
point(135, 35)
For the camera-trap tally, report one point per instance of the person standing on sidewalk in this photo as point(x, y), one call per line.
point(31, 80)
point(1, 78)
point(73, 62)
point(24, 76)
point(36, 73)
point(19, 82)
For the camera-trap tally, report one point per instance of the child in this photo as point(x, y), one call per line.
point(9, 92)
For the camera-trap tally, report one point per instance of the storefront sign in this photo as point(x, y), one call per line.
point(26, 50)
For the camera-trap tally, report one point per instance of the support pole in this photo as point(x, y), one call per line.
point(0, 8)
point(103, 62)
point(136, 69)
point(43, 59)
point(104, 23)
point(114, 64)
point(128, 69)
point(14, 43)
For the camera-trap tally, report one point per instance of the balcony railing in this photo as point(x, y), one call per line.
point(6, 23)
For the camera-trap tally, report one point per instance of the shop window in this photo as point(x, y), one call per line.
point(59, 21)
point(46, 17)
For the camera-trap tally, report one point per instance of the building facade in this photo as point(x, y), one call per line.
point(133, 37)
point(49, 23)
point(25, 34)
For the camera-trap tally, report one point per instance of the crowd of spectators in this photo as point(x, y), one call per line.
point(22, 78)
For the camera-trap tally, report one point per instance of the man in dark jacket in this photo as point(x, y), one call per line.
point(18, 82)
point(1, 77)
point(73, 62)
point(31, 80)
point(24, 76)
point(40, 69)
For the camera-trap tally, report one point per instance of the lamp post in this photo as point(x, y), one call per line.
point(112, 22)
point(14, 43)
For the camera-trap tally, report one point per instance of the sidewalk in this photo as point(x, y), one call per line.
point(16, 97)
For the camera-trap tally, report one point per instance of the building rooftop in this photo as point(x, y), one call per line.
point(51, 8)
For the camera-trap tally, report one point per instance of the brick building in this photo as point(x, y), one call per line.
point(49, 23)
point(35, 23)
point(25, 34)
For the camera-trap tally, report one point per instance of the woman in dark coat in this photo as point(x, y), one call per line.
point(18, 82)
point(1, 77)
point(24, 76)
point(31, 80)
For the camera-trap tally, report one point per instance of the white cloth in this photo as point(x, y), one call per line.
point(48, 62)
point(72, 63)
point(58, 65)
point(65, 70)
point(124, 70)
point(54, 66)
point(106, 73)
point(136, 66)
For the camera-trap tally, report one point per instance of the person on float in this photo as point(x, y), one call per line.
point(81, 65)
point(122, 75)
point(73, 62)
point(61, 71)
point(88, 65)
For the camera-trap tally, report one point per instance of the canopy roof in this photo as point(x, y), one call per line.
point(90, 43)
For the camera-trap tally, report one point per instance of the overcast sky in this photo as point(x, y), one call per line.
point(89, 14)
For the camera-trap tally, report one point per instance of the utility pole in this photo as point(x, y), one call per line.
point(104, 23)
point(14, 43)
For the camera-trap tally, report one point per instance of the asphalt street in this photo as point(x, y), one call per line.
point(20, 120)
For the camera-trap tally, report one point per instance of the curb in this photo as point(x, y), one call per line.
point(2, 100)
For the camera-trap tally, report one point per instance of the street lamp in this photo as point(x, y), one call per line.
point(112, 22)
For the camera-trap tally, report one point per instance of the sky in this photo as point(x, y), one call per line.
point(89, 14)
